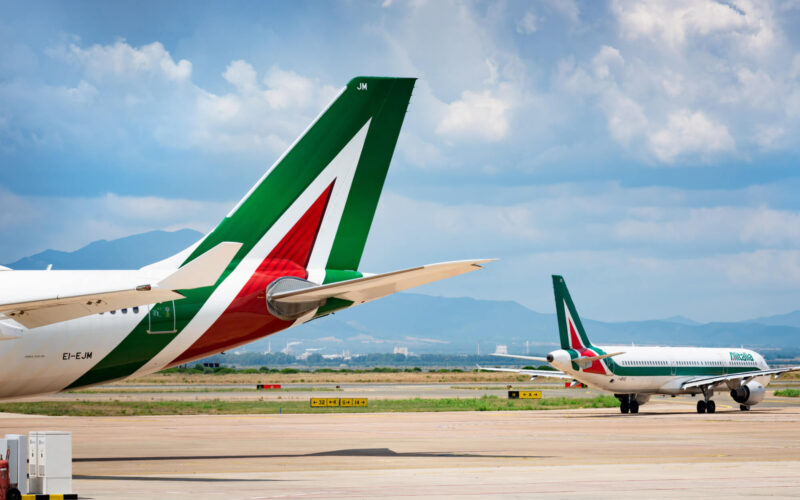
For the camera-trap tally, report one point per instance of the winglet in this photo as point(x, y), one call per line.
point(205, 270)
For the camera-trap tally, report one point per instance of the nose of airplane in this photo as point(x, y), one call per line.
point(560, 359)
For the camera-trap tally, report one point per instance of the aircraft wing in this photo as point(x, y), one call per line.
point(745, 376)
point(532, 373)
point(582, 360)
point(518, 356)
point(369, 288)
point(37, 311)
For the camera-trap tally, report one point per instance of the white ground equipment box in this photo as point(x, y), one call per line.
point(16, 445)
point(50, 462)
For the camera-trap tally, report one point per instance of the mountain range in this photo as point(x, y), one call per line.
point(428, 324)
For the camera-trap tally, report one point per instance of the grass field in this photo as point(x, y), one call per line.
point(788, 393)
point(330, 378)
point(220, 407)
point(166, 390)
point(338, 377)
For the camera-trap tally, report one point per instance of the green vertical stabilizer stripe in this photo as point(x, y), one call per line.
point(363, 99)
point(562, 296)
point(359, 210)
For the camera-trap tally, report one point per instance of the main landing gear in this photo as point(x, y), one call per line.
point(628, 403)
point(706, 405)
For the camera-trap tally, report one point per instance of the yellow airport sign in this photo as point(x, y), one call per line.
point(324, 402)
point(524, 394)
point(353, 402)
point(332, 402)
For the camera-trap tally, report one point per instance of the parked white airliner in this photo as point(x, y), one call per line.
point(634, 374)
point(288, 253)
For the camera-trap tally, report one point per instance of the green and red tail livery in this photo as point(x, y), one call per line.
point(308, 216)
point(287, 253)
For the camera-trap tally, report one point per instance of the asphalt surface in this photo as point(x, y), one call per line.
point(666, 451)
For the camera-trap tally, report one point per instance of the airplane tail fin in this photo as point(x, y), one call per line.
point(313, 208)
point(570, 328)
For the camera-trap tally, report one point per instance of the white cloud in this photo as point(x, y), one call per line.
point(674, 23)
point(147, 86)
point(605, 60)
point(528, 23)
point(287, 89)
point(472, 81)
point(652, 222)
point(121, 61)
point(255, 118)
point(718, 80)
point(241, 75)
point(690, 132)
point(626, 118)
point(477, 115)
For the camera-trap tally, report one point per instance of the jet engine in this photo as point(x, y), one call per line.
point(749, 394)
point(560, 359)
point(642, 398)
point(290, 311)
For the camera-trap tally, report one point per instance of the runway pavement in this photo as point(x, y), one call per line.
point(301, 392)
point(666, 451)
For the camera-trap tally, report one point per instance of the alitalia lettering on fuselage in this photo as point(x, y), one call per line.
point(741, 356)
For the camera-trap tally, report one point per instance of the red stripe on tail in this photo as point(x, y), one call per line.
point(246, 318)
point(575, 339)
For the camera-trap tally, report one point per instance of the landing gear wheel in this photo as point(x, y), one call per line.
point(701, 406)
point(744, 407)
point(711, 407)
point(634, 407)
point(624, 405)
point(13, 494)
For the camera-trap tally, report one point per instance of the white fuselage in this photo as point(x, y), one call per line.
point(662, 370)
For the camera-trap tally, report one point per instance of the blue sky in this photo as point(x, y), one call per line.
point(644, 150)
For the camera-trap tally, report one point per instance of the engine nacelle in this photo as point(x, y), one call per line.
point(749, 394)
point(642, 398)
point(290, 311)
point(560, 359)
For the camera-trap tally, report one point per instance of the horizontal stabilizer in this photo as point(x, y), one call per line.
point(369, 288)
point(205, 270)
point(590, 359)
point(518, 356)
point(532, 373)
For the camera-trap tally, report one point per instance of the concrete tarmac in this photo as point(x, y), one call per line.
point(668, 450)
